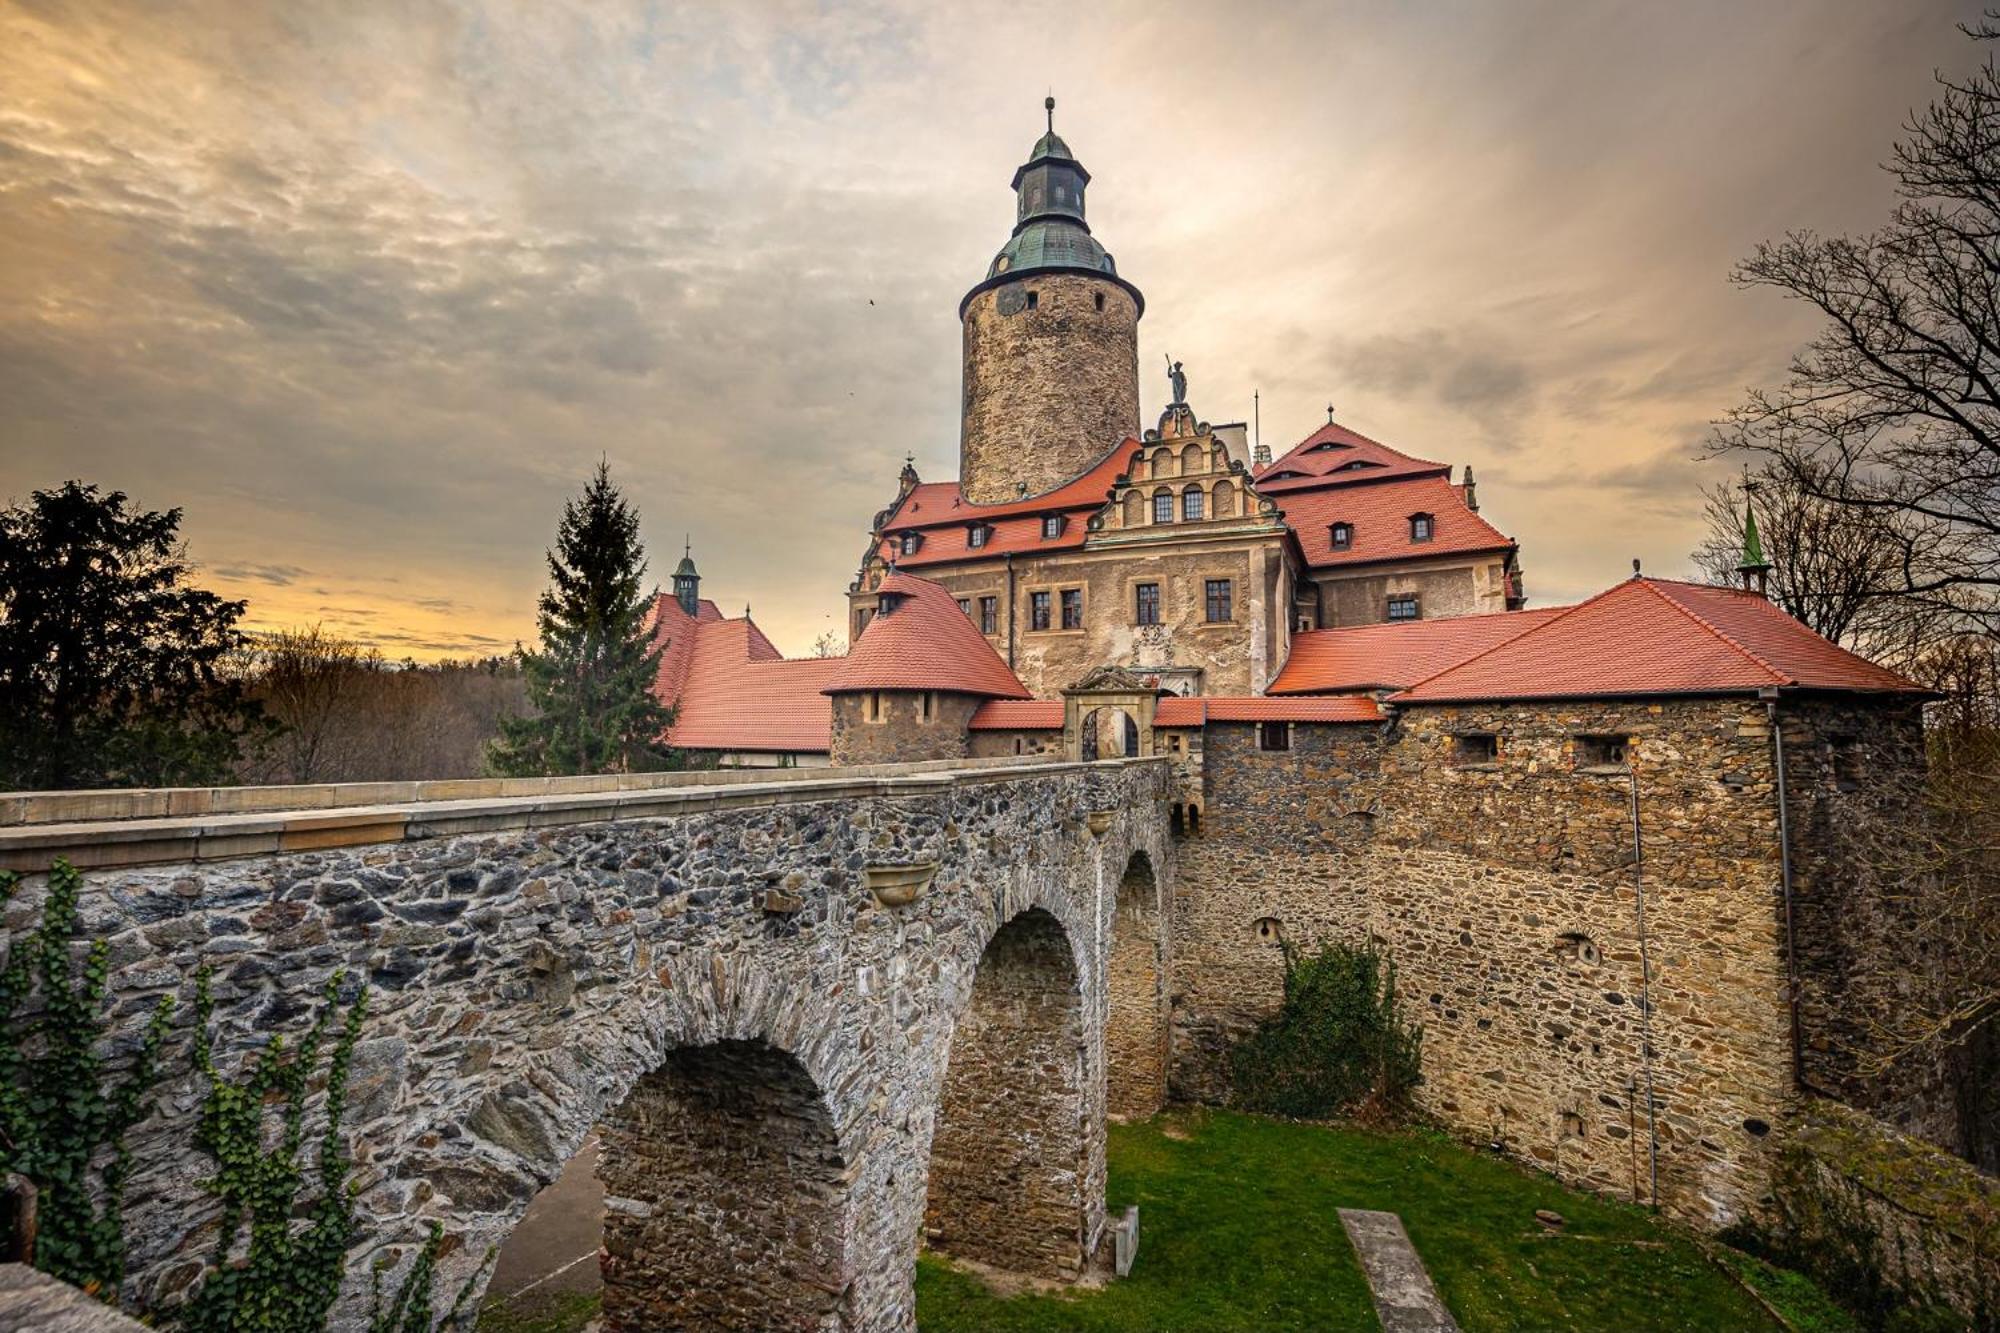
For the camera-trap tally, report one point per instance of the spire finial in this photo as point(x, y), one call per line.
point(687, 544)
point(1754, 570)
point(1329, 414)
point(1049, 105)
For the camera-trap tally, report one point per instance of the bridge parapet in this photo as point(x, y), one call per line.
point(545, 962)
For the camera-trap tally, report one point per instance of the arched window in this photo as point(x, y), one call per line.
point(1163, 506)
point(1135, 509)
point(1223, 502)
point(1191, 504)
point(1191, 460)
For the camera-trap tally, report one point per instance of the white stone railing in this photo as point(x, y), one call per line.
point(155, 825)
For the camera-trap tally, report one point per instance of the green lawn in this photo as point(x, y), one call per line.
point(1238, 1231)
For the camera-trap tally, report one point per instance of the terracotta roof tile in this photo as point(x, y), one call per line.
point(1380, 516)
point(1335, 455)
point(1175, 710)
point(1658, 637)
point(927, 643)
point(736, 691)
point(938, 502)
point(1394, 655)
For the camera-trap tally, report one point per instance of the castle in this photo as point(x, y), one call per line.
point(1600, 841)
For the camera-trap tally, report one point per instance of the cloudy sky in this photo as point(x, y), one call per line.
point(367, 288)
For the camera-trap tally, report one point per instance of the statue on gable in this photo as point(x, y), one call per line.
point(1178, 378)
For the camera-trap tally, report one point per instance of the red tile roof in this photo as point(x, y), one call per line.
point(1019, 715)
point(938, 502)
point(1397, 655)
point(1658, 637)
point(1178, 711)
point(943, 545)
point(1335, 455)
point(734, 690)
point(1379, 513)
point(926, 643)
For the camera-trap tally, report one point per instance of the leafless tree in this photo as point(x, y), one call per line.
point(307, 677)
point(1894, 408)
point(828, 644)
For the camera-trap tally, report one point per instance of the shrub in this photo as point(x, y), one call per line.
point(1339, 1043)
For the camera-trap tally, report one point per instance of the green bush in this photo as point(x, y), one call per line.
point(1339, 1044)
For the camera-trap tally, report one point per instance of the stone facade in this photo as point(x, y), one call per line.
point(756, 996)
point(1051, 380)
point(1444, 586)
point(900, 726)
point(1505, 891)
point(1136, 1028)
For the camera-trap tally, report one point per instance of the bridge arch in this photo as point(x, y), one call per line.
point(1135, 1025)
point(1013, 1155)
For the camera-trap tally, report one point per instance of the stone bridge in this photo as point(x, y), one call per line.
point(819, 1018)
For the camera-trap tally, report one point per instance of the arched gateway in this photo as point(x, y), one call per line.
point(817, 1021)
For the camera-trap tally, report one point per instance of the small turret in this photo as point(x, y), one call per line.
point(687, 581)
point(1754, 570)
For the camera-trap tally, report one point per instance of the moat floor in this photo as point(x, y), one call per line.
point(1239, 1229)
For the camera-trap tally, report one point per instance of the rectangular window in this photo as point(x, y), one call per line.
point(975, 536)
point(1474, 749)
point(1274, 735)
point(1038, 610)
point(1600, 754)
point(1163, 508)
point(924, 706)
point(1191, 506)
point(989, 615)
point(871, 707)
point(1343, 536)
point(862, 617)
point(965, 605)
point(1072, 608)
point(1148, 599)
point(1403, 608)
point(1420, 527)
point(1220, 601)
point(1052, 527)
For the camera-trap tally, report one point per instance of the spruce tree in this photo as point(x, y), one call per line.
point(591, 684)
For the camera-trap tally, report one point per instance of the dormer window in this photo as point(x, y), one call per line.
point(1052, 527)
point(886, 604)
point(1421, 527)
point(1328, 446)
point(1356, 466)
point(975, 536)
point(1343, 536)
point(912, 542)
point(1287, 475)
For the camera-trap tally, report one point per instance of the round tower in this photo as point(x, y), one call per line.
point(1051, 342)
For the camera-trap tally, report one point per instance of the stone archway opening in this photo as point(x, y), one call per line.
point(1010, 1171)
point(1109, 732)
point(1136, 1026)
point(727, 1197)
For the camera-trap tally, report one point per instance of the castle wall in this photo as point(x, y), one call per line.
point(1048, 387)
point(899, 732)
point(1237, 656)
point(1471, 585)
point(1504, 892)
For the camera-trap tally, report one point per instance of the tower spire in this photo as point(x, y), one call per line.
point(1049, 105)
point(1753, 568)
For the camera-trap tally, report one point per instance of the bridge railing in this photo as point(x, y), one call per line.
point(154, 825)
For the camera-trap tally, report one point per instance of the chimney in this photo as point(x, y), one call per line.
point(1471, 495)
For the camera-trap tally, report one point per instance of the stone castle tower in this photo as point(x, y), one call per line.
point(1051, 342)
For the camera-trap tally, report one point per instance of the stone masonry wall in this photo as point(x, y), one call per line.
point(735, 1121)
point(1014, 1201)
point(1504, 893)
point(1135, 1030)
point(903, 735)
point(1046, 389)
point(525, 980)
point(1444, 586)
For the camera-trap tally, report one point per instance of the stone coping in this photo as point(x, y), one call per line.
point(126, 839)
point(113, 803)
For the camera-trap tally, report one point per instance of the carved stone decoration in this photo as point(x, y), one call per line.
point(900, 885)
point(1099, 821)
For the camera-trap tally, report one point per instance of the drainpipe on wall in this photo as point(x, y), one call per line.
point(1769, 694)
point(1010, 610)
point(1645, 994)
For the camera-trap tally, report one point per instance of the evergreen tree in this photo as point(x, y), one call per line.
point(591, 684)
point(110, 664)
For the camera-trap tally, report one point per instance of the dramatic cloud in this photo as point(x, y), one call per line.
point(369, 288)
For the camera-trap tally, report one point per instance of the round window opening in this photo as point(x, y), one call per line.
point(1270, 929)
